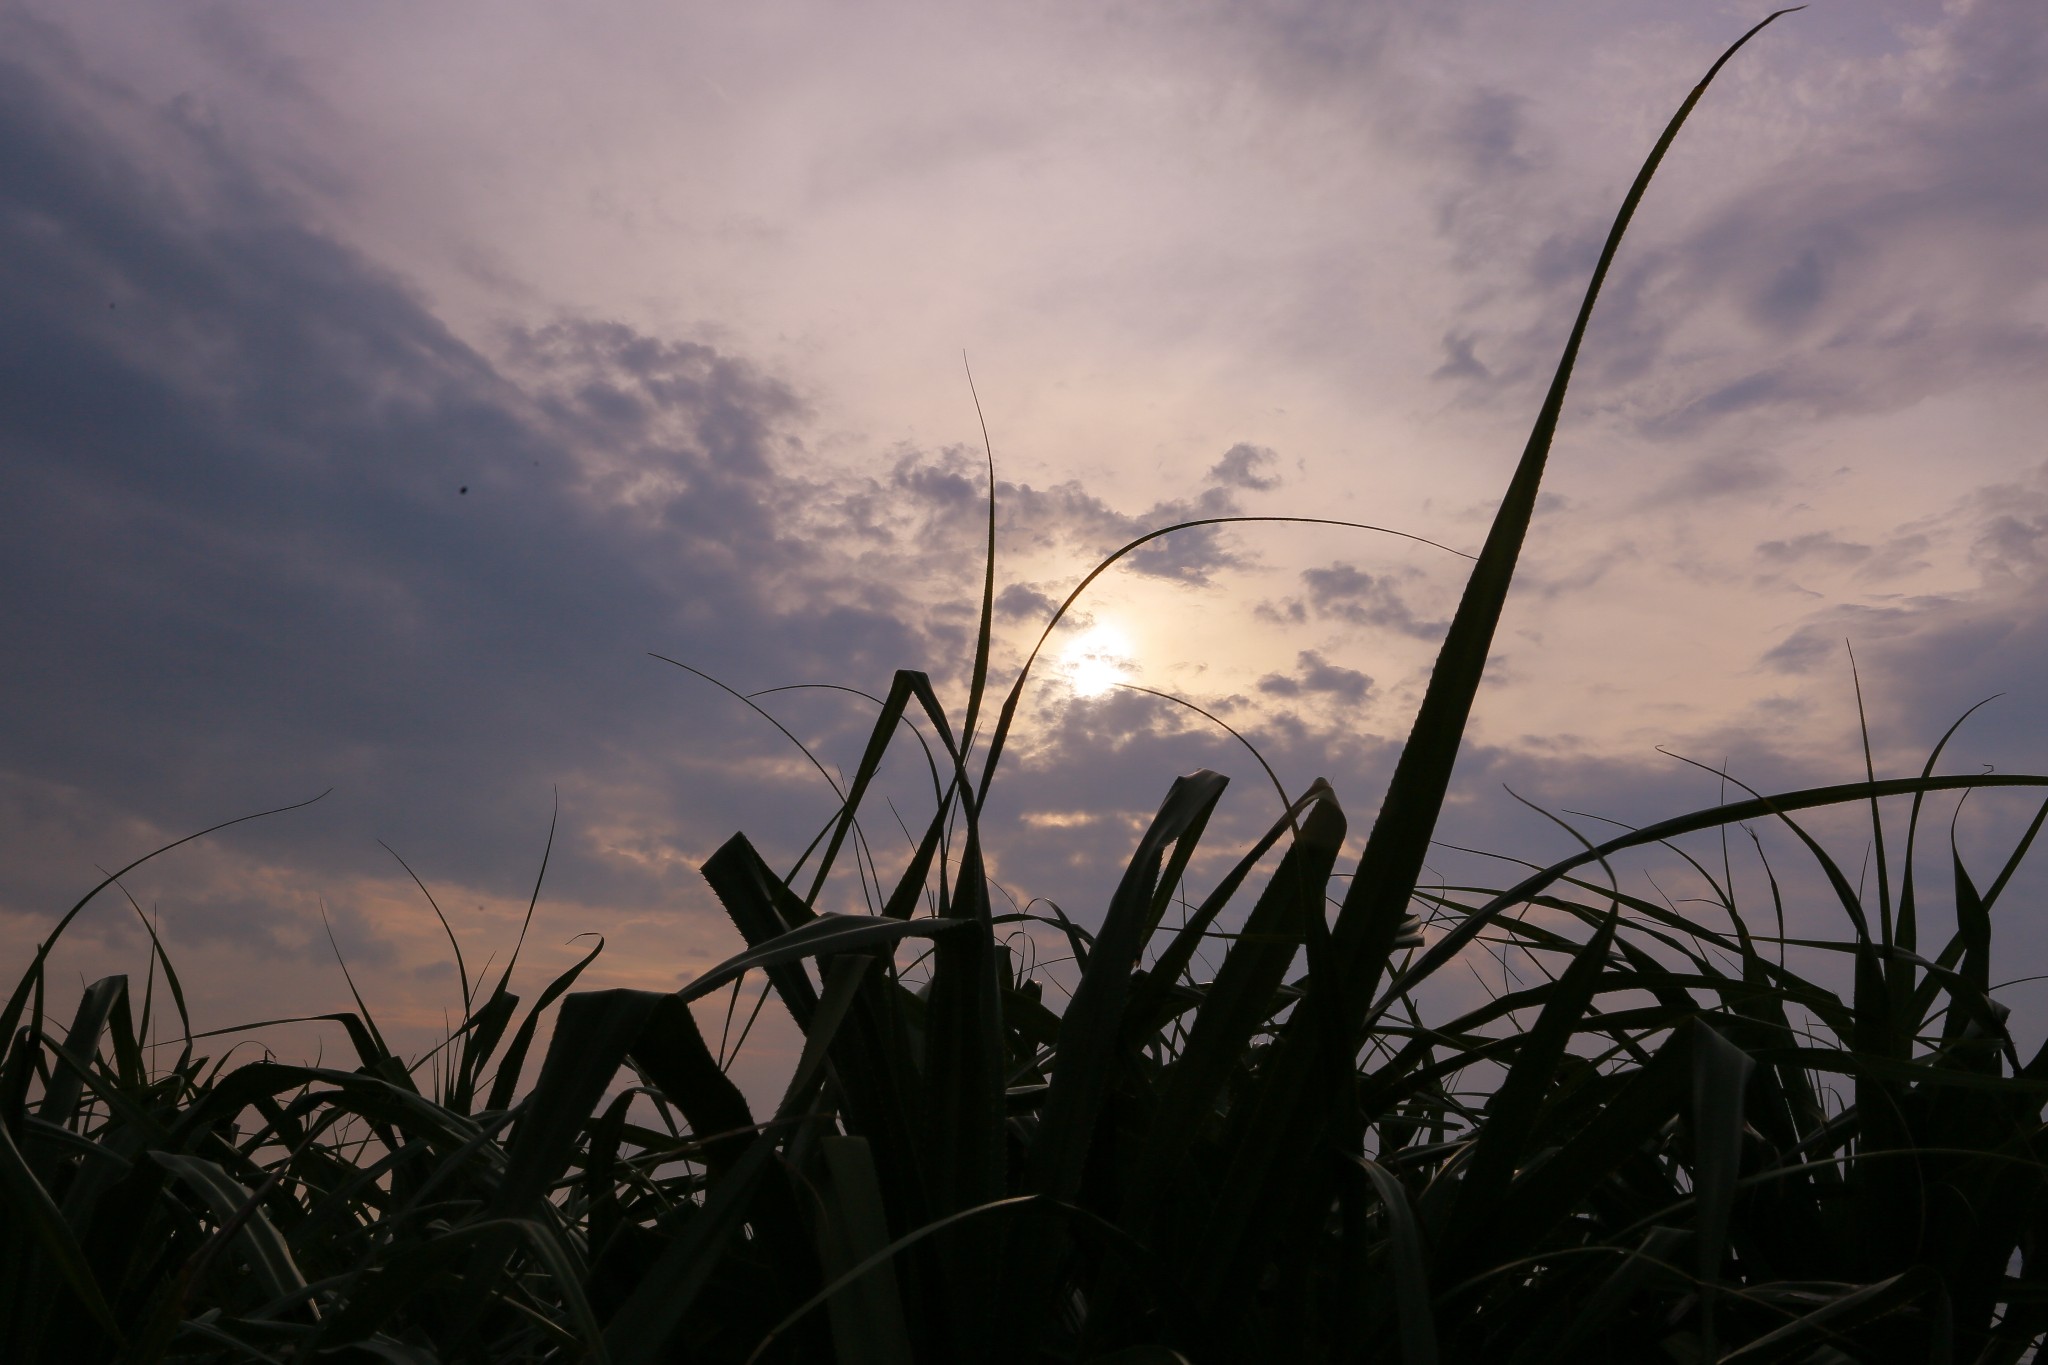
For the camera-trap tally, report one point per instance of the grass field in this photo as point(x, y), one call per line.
point(1677, 1133)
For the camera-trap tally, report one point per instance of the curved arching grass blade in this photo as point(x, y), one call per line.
point(1411, 1276)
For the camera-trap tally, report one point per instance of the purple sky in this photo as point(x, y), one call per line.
point(678, 293)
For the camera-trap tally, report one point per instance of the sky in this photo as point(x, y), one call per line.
point(382, 387)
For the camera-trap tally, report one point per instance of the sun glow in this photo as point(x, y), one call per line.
point(1097, 660)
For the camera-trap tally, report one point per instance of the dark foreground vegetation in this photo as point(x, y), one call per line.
point(1681, 1144)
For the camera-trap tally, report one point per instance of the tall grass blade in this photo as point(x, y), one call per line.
point(82, 1040)
point(35, 1219)
point(236, 1210)
point(509, 1069)
point(867, 1314)
point(639, 1332)
point(1411, 1276)
point(1394, 852)
point(1092, 1030)
point(1511, 1110)
point(1720, 1076)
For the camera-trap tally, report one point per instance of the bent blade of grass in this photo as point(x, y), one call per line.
point(638, 1332)
point(1239, 1000)
point(985, 621)
point(1720, 1076)
point(1173, 961)
point(673, 1056)
point(1837, 1313)
point(1511, 1111)
point(880, 1258)
point(507, 1079)
point(66, 1084)
point(762, 908)
point(1091, 1033)
point(1223, 725)
point(1908, 1011)
point(867, 1315)
point(824, 935)
point(1411, 1277)
point(908, 685)
point(455, 946)
point(269, 1256)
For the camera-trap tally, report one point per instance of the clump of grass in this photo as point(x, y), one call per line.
point(1688, 1150)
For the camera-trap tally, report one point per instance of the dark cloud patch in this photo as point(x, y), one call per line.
point(1246, 466)
point(1344, 592)
point(1486, 131)
point(1729, 474)
point(1899, 554)
point(1751, 392)
point(1459, 361)
point(1849, 625)
point(1924, 658)
point(949, 482)
point(1067, 515)
point(1565, 260)
point(1894, 556)
point(241, 568)
point(1791, 296)
point(1876, 263)
point(1315, 674)
point(628, 395)
point(1021, 601)
point(2012, 545)
point(1816, 547)
point(242, 565)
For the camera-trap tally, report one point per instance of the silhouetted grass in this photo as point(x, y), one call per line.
point(1675, 1141)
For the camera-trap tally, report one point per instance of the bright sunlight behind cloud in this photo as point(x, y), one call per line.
point(1098, 659)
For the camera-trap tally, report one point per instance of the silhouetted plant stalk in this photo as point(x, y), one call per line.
point(1688, 1149)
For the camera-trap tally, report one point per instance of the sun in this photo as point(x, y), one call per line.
point(1097, 660)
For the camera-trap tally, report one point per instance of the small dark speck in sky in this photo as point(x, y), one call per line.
point(463, 489)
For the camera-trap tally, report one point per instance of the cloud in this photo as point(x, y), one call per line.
point(1021, 601)
point(240, 565)
point(1245, 466)
point(1727, 474)
point(1866, 253)
point(932, 487)
point(280, 529)
point(1344, 592)
point(1316, 675)
point(1459, 361)
point(1815, 547)
point(244, 568)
